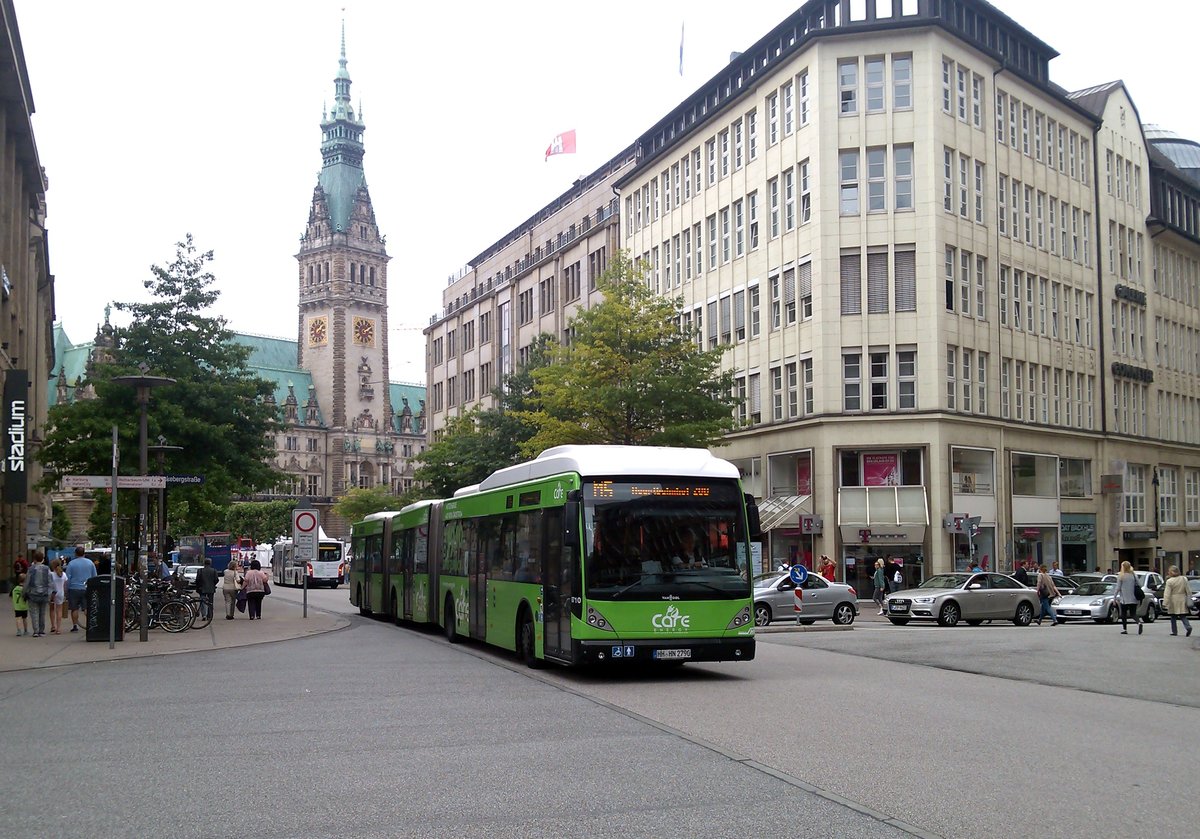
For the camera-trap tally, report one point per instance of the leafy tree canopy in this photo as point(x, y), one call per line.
point(359, 503)
point(480, 441)
point(630, 376)
point(262, 521)
point(214, 411)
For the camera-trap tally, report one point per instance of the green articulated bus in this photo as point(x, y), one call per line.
point(586, 554)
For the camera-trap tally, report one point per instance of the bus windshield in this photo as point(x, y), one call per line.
point(651, 539)
point(329, 553)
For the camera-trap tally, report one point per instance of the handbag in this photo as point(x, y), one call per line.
point(241, 600)
point(1138, 593)
point(266, 588)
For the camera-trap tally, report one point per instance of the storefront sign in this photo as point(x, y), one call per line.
point(891, 534)
point(1078, 532)
point(1031, 533)
point(16, 395)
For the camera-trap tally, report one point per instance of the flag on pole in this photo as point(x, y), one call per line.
point(681, 48)
point(562, 144)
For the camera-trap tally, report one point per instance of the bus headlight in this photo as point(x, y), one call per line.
point(597, 620)
point(740, 619)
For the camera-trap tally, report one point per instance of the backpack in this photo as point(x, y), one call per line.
point(37, 584)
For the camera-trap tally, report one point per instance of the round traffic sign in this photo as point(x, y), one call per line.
point(799, 574)
point(306, 522)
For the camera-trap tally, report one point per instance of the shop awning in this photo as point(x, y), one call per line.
point(896, 515)
point(781, 509)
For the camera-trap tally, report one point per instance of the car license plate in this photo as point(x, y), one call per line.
point(1070, 611)
point(897, 607)
point(682, 653)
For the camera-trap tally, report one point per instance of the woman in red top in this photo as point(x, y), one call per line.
point(827, 569)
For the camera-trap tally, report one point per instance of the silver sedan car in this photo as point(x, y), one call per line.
point(775, 599)
point(1091, 601)
point(974, 598)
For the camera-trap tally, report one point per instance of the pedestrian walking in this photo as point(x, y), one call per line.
point(20, 607)
point(1129, 596)
point(1046, 591)
point(58, 598)
point(79, 571)
point(231, 583)
point(206, 587)
point(257, 586)
point(880, 581)
point(1176, 594)
point(38, 589)
point(828, 568)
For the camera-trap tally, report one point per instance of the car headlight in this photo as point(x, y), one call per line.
point(1097, 603)
point(922, 600)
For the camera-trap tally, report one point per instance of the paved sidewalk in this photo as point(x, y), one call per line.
point(281, 620)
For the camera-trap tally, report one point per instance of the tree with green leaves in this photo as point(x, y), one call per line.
point(630, 375)
point(214, 411)
point(262, 521)
point(360, 502)
point(477, 443)
point(60, 525)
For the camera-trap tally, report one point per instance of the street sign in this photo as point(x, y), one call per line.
point(306, 525)
point(184, 480)
point(799, 574)
point(105, 482)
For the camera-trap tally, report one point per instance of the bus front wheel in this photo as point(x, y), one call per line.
point(448, 617)
point(527, 641)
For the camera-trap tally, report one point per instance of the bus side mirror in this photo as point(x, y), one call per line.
point(571, 519)
point(753, 522)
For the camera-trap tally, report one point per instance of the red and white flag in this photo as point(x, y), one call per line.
point(562, 144)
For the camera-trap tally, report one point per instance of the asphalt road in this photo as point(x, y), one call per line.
point(382, 731)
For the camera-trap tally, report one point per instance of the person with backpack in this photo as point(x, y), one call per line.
point(38, 588)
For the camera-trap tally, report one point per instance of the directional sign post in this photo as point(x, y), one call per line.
point(306, 525)
point(798, 574)
point(106, 481)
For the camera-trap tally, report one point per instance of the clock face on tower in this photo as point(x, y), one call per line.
point(364, 332)
point(318, 331)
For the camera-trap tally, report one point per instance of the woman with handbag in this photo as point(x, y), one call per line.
point(1046, 591)
point(257, 586)
point(231, 583)
point(1176, 595)
point(1127, 597)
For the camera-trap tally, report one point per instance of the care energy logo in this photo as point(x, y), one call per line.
point(671, 619)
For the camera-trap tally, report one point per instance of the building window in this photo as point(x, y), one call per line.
point(793, 389)
point(777, 393)
point(904, 177)
point(906, 280)
point(848, 86)
point(951, 377)
point(906, 376)
point(852, 381)
point(789, 109)
point(802, 84)
point(806, 292)
point(848, 167)
point(1191, 496)
point(879, 381)
point(1134, 511)
point(874, 77)
point(901, 82)
point(754, 311)
point(773, 198)
point(789, 200)
point(805, 194)
point(877, 282)
point(789, 296)
point(876, 180)
point(1168, 495)
point(525, 306)
point(851, 283)
point(806, 379)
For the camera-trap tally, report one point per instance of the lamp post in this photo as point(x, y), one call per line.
point(143, 385)
point(160, 453)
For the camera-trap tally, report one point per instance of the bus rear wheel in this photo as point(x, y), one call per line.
point(448, 618)
point(527, 641)
point(362, 607)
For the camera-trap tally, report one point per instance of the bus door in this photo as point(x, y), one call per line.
point(556, 587)
point(406, 560)
point(475, 544)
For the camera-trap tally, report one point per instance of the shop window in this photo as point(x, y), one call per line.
point(1035, 475)
point(971, 471)
point(1074, 478)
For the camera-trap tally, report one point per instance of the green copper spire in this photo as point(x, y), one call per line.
point(341, 147)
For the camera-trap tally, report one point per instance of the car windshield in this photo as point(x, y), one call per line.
point(945, 581)
point(1095, 589)
point(653, 539)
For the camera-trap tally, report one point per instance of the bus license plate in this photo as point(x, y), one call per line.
point(673, 653)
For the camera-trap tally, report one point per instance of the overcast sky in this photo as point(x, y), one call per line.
point(155, 119)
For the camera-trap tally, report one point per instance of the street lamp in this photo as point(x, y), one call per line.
point(142, 384)
point(160, 452)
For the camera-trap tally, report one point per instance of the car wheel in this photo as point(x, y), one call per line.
point(1111, 617)
point(843, 615)
point(762, 614)
point(975, 622)
point(1024, 615)
point(949, 614)
point(899, 621)
point(1151, 615)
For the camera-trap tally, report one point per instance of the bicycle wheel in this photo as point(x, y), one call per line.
point(175, 616)
point(201, 620)
point(132, 614)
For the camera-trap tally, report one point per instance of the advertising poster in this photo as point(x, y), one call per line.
point(881, 470)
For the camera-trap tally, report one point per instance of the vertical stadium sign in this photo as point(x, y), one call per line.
point(16, 396)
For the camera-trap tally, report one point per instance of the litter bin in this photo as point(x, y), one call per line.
point(97, 600)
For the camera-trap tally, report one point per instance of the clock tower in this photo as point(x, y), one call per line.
point(342, 339)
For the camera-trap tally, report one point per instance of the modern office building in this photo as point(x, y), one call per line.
point(938, 276)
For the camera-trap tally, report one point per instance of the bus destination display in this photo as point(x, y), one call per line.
point(621, 491)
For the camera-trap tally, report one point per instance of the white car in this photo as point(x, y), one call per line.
point(1091, 601)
